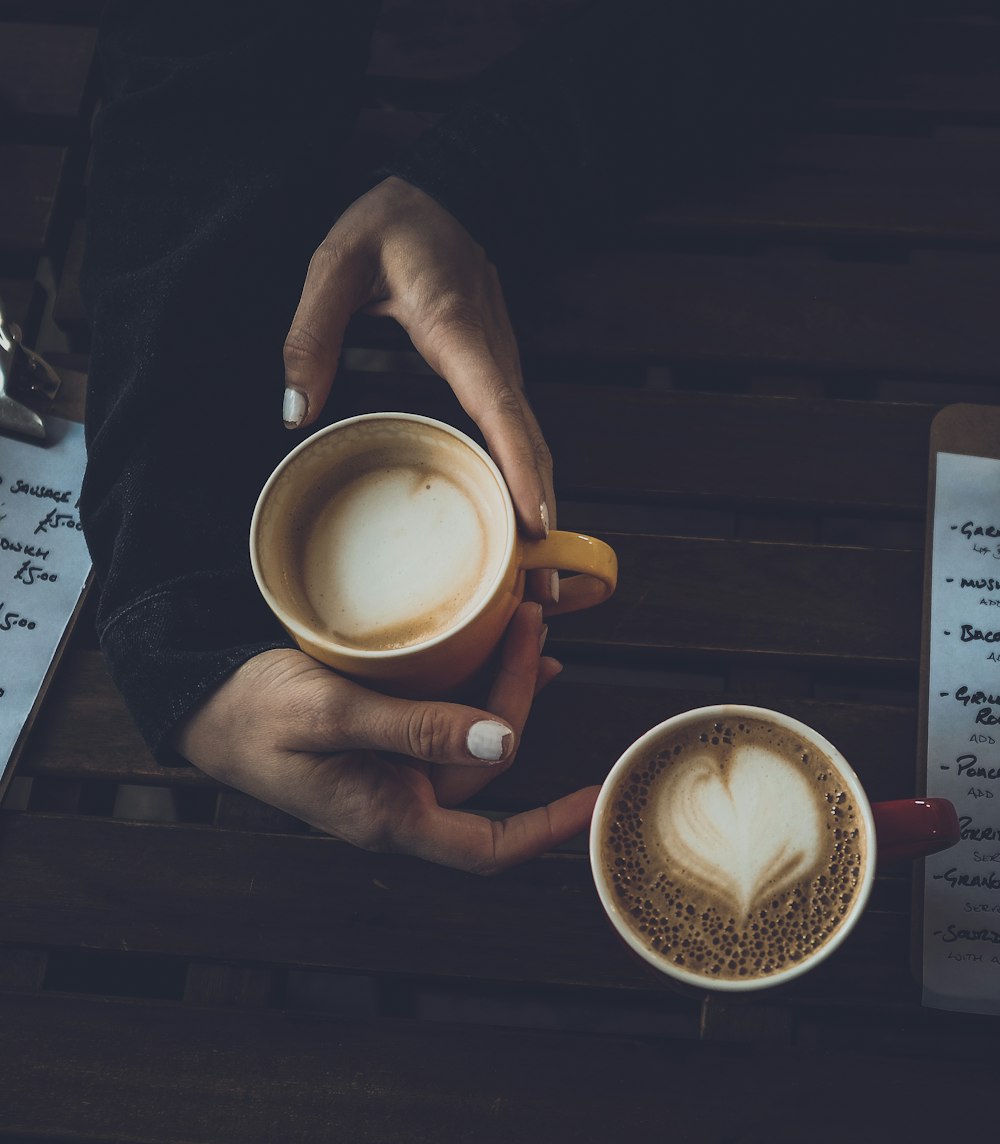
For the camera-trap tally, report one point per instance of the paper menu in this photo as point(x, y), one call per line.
point(44, 569)
point(961, 886)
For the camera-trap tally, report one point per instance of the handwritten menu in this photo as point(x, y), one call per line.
point(961, 939)
point(44, 568)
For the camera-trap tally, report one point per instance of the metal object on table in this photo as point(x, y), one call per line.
point(26, 379)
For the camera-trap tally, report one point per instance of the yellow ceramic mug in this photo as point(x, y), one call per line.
point(387, 546)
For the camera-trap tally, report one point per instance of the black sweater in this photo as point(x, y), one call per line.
point(218, 167)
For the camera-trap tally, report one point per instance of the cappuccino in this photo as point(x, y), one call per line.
point(400, 540)
point(387, 547)
point(734, 848)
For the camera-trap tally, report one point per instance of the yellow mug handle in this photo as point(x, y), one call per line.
point(593, 559)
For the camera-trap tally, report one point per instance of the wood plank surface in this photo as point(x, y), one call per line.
point(869, 251)
point(733, 598)
point(932, 316)
point(941, 188)
point(922, 99)
point(161, 1073)
point(312, 902)
point(702, 449)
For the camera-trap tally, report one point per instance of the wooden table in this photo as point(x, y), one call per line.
point(738, 396)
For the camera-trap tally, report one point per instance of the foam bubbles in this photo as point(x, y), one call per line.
point(691, 917)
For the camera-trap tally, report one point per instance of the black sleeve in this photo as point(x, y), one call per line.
point(214, 178)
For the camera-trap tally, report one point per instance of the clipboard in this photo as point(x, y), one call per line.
point(961, 431)
point(42, 459)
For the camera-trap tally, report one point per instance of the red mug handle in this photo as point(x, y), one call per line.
point(914, 827)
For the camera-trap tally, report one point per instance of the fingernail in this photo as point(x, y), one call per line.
point(486, 740)
point(554, 587)
point(543, 510)
point(293, 408)
point(542, 637)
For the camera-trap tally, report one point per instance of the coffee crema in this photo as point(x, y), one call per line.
point(398, 551)
point(734, 849)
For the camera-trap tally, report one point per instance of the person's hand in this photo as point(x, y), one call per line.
point(383, 773)
point(397, 252)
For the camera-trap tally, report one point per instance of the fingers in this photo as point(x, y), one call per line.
point(474, 350)
point(484, 846)
point(339, 281)
point(442, 289)
point(434, 732)
point(475, 353)
point(445, 733)
point(520, 677)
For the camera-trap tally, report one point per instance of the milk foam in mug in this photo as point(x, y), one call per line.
point(388, 548)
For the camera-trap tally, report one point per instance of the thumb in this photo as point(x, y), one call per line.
point(337, 284)
point(433, 732)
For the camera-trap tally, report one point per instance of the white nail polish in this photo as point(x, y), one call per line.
point(543, 510)
point(554, 587)
point(542, 638)
point(486, 740)
point(293, 408)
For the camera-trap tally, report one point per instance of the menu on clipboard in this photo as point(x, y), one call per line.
point(44, 570)
point(960, 711)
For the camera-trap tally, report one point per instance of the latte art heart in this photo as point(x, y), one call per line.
point(743, 833)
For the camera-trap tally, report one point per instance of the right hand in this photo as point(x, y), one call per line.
point(396, 252)
point(384, 773)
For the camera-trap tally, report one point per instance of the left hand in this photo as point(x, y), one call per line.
point(382, 773)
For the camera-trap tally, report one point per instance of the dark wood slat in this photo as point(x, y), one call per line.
point(45, 71)
point(933, 316)
point(84, 725)
point(731, 598)
point(113, 1068)
point(711, 450)
point(312, 902)
point(930, 96)
point(29, 189)
point(227, 985)
point(952, 42)
point(939, 189)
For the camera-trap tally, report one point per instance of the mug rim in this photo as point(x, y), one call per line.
point(610, 905)
point(321, 639)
